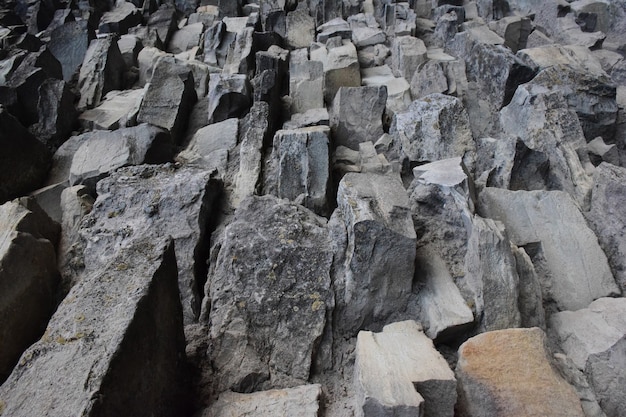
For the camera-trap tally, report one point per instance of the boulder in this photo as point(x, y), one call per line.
point(57, 115)
point(573, 269)
point(509, 373)
point(300, 26)
point(148, 202)
point(357, 115)
point(398, 372)
point(69, 43)
point(306, 83)
point(130, 46)
point(398, 95)
point(210, 146)
point(376, 276)
point(118, 328)
point(240, 58)
point(121, 18)
point(341, 67)
point(229, 96)
point(186, 38)
point(408, 53)
point(299, 167)
point(267, 305)
point(28, 277)
point(595, 339)
point(514, 30)
point(24, 161)
point(118, 109)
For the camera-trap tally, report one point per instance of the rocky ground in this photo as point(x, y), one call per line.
point(322, 208)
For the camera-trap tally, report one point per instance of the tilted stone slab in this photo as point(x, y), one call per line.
point(117, 330)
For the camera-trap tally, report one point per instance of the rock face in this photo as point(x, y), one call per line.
point(399, 372)
point(118, 328)
point(508, 373)
point(28, 277)
point(282, 291)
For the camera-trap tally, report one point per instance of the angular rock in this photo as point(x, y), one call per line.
point(357, 115)
point(69, 44)
point(375, 279)
point(508, 373)
point(240, 59)
point(601, 152)
point(24, 161)
point(100, 72)
point(595, 339)
point(120, 327)
point(530, 300)
point(102, 152)
point(267, 304)
point(149, 202)
point(300, 28)
point(186, 38)
point(312, 117)
point(341, 67)
point(57, 115)
point(398, 95)
point(301, 401)
point(28, 277)
point(333, 28)
point(398, 372)
point(130, 46)
point(514, 30)
point(118, 109)
point(299, 168)
point(121, 18)
point(408, 53)
point(306, 84)
point(210, 143)
point(229, 96)
point(169, 97)
point(574, 270)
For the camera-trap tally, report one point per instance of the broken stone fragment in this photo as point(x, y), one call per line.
point(118, 328)
point(121, 18)
point(118, 109)
point(341, 67)
point(509, 373)
point(398, 94)
point(210, 144)
point(57, 115)
point(186, 38)
point(229, 96)
point(408, 53)
point(398, 372)
point(69, 44)
point(306, 83)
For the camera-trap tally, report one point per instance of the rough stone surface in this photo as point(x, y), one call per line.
point(357, 115)
point(210, 143)
point(117, 109)
point(508, 373)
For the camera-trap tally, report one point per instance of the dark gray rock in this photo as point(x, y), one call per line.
point(117, 109)
point(229, 96)
point(121, 18)
point(57, 115)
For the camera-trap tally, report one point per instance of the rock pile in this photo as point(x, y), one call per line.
point(328, 208)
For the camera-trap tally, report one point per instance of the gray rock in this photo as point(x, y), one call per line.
point(574, 270)
point(495, 159)
point(306, 84)
point(514, 30)
point(24, 161)
point(398, 372)
point(375, 278)
point(57, 115)
point(121, 18)
point(149, 202)
point(147, 59)
point(312, 117)
point(28, 277)
point(240, 58)
point(267, 304)
point(529, 298)
point(130, 46)
point(118, 109)
point(357, 115)
point(594, 338)
point(102, 152)
point(577, 379)
point(229, 96)
point(341, 67)
point(186, 38)
point(169, 97)
point(120, 327)
point(606, 217)
point(69, 44)
point(301, 401)
point(209, 142)
point(101, 72)
point(300, 28)
point(601, 152)
point(398, 94)
point(299, 167)
point(332, 28)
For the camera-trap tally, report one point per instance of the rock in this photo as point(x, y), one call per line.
point(529, 298)
point(240, 59)
point(312, 117)
point(375, 279)
point(130, 46)
point(363, 37)
point(495, 159)
point(100, 73)
point(306, 84)
point(373, 56)
point(121, 18)
point(69, 44)
point(186, 38)
point(552, 140)
point(28, 276)
point(366, 159)
point(120, 313)
point(606, 217)
point(357, 115)
point(302, 401)
point(299, 167)
point(573, 269)
point(161, 26)
point(398, 95)
point(514, 30)
point(24, 161)
point(508, 373)
point(443, 311)
point(408, 53)
point(332, 28)
point(57, 115)
point(341, 67)
point(433, 128)
point(601, 152)
point(267, 305)
point(118, 109)
point(300, 28)
point(594, 339)
point(211, 142)
point(399, 372)
point(229, 96)
point(102, 152)
point(149, 202)
point(169, 97)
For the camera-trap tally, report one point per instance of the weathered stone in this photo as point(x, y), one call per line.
point(124, 16)
point(514, 30)
point(529, 298)
point(102, 151)
point(240, 59)
point(300, 28)
point(161, 25)
point(601, 152)
point(398, 372)
point(267, 305)
point(357, 115)
point(24, 161)
point(169, 97)
point(398, 94)
point(117, 329)
point(595, 339)
point(312, 117)
point(606, 217)
point(495, 159)
point(130, 46)
point(101, 72)
point(301, 401)
point(332, 28)
point(574, 270)
point(375, 279)
point(306, 84)
point(209, 143)
point(373, 56)
point(57, 115)
point(408, 53)
point(28, 277)
point(508, 373)
point(341, 67)
point(186, 38)
point(299, 168)
point(117, 109)
point(69, 44)
point(229, 96)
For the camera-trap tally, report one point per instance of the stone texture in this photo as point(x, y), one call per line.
point(120, 327)
point(574, 270)
point(306, 84)
point(69, 43)
point(117, 109)
point(57, 115)
point(341, 67)
point(229, 96)
point(408, 53)
point(508, 373)
point(121, 18)
point(398, 372)
point(210, 146)
point(357, 115)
